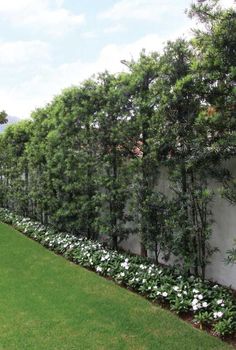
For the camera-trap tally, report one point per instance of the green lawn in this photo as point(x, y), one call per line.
point(49, 303)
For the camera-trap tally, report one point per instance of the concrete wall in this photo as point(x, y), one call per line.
point(224, 232)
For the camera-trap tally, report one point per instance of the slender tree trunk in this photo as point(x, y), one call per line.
point(145, 182)
point(184, 192)
point(143, 250)
point(156, 253)
point(27, 190)
point(113, 205)
point(194, 220)
point(202, 212)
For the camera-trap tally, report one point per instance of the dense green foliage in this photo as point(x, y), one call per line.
point(211, 306)
point(89, 162)
point(3, 117)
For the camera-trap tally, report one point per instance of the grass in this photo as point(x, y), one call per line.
point(49, 303)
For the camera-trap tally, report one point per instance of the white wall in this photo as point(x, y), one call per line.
point(224, 232)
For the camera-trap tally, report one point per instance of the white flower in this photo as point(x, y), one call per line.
point(195, 307)
point(122, 274)
point(144, 280)
point(200, 296)
point(179, 295)
point(98, 269)
point(164, 294)
point(204, 304)
point(125, 265)
point(176, 288)
point(220, 301)
point(195, 302)
point(195, 291)
point(218, 314)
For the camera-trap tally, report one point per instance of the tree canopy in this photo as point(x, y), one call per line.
point(89, 162)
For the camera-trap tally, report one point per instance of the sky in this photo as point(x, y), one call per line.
point(49, 45)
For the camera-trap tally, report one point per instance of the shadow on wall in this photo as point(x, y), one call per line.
point(223, 235)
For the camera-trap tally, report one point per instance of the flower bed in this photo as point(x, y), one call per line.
point(211, 306)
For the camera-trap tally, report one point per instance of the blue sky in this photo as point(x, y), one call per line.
point(48, 45)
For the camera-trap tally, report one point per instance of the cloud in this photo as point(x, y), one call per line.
point(21, 52)
point(228, 3)
point(112, 54)
point(49, 80)
point(54, 22)
point(146, 10)
point(149, 10)
point(45, 15)
point(117, 28)
point(89, 35)
point(30, 76)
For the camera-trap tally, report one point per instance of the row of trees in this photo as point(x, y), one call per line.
point(89, 162)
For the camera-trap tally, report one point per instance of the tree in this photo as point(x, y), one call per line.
point(144, 72)
point(177, 144)
point(215, 69)
point(41, 190)
point(14, 167)
point(114, 149)
point(158, 237)
point(69, 153)
point(89, 162)
point(3, 117)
